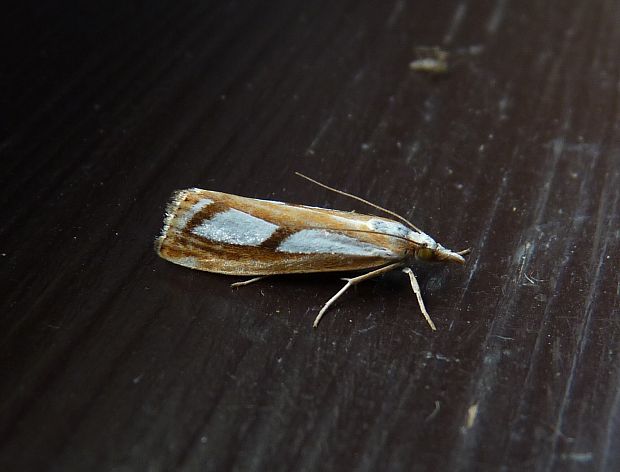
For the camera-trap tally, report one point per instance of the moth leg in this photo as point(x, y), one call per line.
point(248, 282)
point(350, 283)
point(418, 294)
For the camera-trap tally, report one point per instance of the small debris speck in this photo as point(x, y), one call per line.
point(432, 60)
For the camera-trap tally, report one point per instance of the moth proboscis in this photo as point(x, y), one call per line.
point(229, 234)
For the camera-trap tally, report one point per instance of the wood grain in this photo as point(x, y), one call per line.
point(113, 359)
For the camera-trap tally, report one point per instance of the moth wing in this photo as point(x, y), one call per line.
point(229, 234)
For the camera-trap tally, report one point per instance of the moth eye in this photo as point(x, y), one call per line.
point(424, 254)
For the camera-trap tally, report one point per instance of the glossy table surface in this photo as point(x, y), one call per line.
point(113, 359)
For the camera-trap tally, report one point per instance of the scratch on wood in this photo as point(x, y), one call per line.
point(484, 236)
point(582, 148)
point(612, 428)
point(434, 413)
point(319, 135)
point(472, 413)
point(396, 13)
point(597, 260)
point(496, 16)
point(455, 24)
point(532, 280)
point(581, 457)
point(411, 152)
point(503, 338)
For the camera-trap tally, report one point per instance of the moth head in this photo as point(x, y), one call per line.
point(426, 248)
point(439, 253)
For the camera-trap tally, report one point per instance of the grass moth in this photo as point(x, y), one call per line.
point(229, 234)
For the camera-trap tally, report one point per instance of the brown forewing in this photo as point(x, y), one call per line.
point(178, 244)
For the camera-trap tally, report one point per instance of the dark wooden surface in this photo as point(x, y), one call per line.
point(115, 360)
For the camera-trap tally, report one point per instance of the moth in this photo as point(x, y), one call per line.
point(229, 234)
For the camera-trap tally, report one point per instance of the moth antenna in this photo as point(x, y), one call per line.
point(360, 199)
